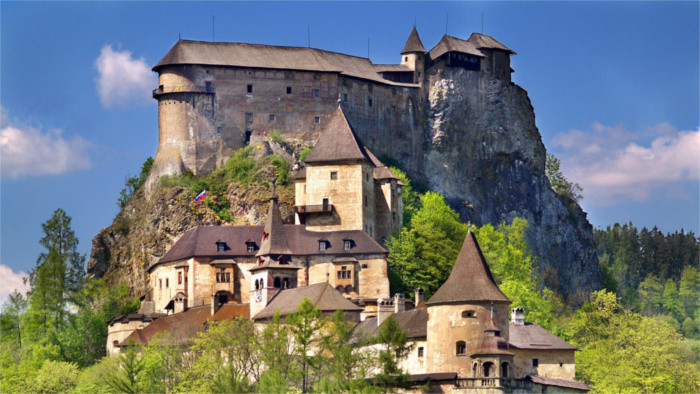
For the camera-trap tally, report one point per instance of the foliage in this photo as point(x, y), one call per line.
point(511, 263)
point(422, 254)
point(125, 379)
point(569, 191)
point(276, 353)
point(393, 347)
point(282, 167)
point(59, 235)
point(621, 351)
point(304, 153)
point(55, 377)
point(304, 326)
point(45, 314)
point(133, 183)
point(94, 379)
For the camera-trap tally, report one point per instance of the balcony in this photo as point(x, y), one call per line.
point(503, 383)
point(314, 209)
point(161, 90)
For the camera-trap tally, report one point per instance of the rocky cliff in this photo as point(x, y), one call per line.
point(483, 152)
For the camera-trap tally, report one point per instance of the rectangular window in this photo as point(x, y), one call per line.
point(317, 93)
point(208, 87)
point(369, 101)
point(179, 278)
point(249, 89)
point(250, 247)
point(365, 200)
point(248, 116)
point(347, 244)
point(370, 87)
point(317, 119)
point(344, 273)
point(317, 77)
point(345, 97)
point(223, 276)
point(218, 130)
point(420, 351)
point(535, 362)
point(345, 82)
point(272, 118)
point(167, 282)
point(220, 247)
point(322, 245)
point(208, 113)
point(160, 283)
point(334, 175)
point(289, 90)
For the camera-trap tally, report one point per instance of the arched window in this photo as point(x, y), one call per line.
point(348, 289)
point(504, 370)
point(257, 284)
point(487, 368)
point(474, 366)
point(340, 288)
point(277, 283)
point(461, 348)
point(285, 283)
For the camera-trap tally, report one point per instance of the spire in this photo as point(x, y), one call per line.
point(337, 142)
point(470, 279)
point(274, 240)
point(413, 44)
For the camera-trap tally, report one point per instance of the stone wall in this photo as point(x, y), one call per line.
point(369, 275)
point(558, 364)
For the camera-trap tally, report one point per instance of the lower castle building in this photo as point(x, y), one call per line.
point(346, 203)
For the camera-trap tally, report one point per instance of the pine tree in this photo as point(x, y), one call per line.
point(304, 325)
point(59, 236)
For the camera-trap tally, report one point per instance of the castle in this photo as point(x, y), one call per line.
point(216, 97)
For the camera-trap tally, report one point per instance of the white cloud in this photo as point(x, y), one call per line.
point(613, 164)
point(122, 79)
point(30, 151)
point(11, 281)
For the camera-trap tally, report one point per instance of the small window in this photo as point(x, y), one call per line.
point(348, 289)
point(250, 246)
point(461, 348)
point(561, 365)
point(272, 118)
point(535, 362)
point(322, 245)
point(405, 58)
point(221, 246)
point(344, 273)
point(347, 244)
point(278, 283)
point(468, 314)
point(317, 93)
point(289, 90)
point(334, 175)
point(179, 278)
point(345, 97)
point(365, 200)
point(208, 87)
point(369, 101)
point(317, 119)
point(317, 77)
point(345, 82)
point(420, 351)
point(222, 276)
point(248, 116)
point(160, 283)
point(218, 130)
point(167, 282)
point(365, 265)
point(249, 89)
point(370, 88)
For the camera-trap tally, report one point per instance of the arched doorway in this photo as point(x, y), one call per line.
point(487, 369)
point(504, 370)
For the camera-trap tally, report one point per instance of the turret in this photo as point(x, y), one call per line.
point(413, 56)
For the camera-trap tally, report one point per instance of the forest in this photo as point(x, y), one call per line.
point(637, 334)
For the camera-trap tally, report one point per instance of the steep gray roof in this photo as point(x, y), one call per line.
point(380, 170)
point(337, 142)
point(322, 295)
point(414, 322)
point(274, 238)
point(413, 44)
point(454, 44)
point(532, 336)
point(484, 41)
point(470, 279)
point(237, 54)
point(201, 242)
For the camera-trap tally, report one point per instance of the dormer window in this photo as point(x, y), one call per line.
point(221, 246)
point(323, 245)
point(250, 246)
point(347, 244)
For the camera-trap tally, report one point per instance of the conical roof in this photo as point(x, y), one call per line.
point(274, 240)
point(338, 142)
point(413, 44)
point(470, 279)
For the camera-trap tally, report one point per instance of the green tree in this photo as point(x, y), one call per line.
point(55, 377)
point(276, 355)
point(649, 296)
point(621, 351)
point(11, 320)
point(304, 326)
point(393, 347)
point(689, 290)
point(422, 254)
point(672, 301)
point(46, 298)
point(125, 379)
point(133, 183)
point(569, 190)
point(94, 379)
point(410, 198)
point(59, 235)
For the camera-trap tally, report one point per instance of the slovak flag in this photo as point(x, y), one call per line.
point(201, 196)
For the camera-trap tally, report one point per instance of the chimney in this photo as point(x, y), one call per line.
point(518, 316)
point(385, 307)
point(419, 296)
point(399, 303)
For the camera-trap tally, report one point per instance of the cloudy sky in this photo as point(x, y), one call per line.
point(614, 86)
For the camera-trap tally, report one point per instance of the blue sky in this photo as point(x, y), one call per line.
point(614, 86)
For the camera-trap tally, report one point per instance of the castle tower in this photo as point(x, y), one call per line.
point(413, 56)
point(465, 314)
point(338, 192)
point(273, 272)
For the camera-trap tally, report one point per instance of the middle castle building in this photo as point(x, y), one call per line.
point(346, 203)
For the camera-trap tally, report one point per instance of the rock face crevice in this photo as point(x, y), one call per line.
point(484, 153)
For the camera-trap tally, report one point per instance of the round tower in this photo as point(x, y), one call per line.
point(413, 56)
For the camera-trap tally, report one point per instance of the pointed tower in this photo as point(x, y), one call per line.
point(274, 271)
point(338, 192)
point(413, 56)
point(464, 311)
